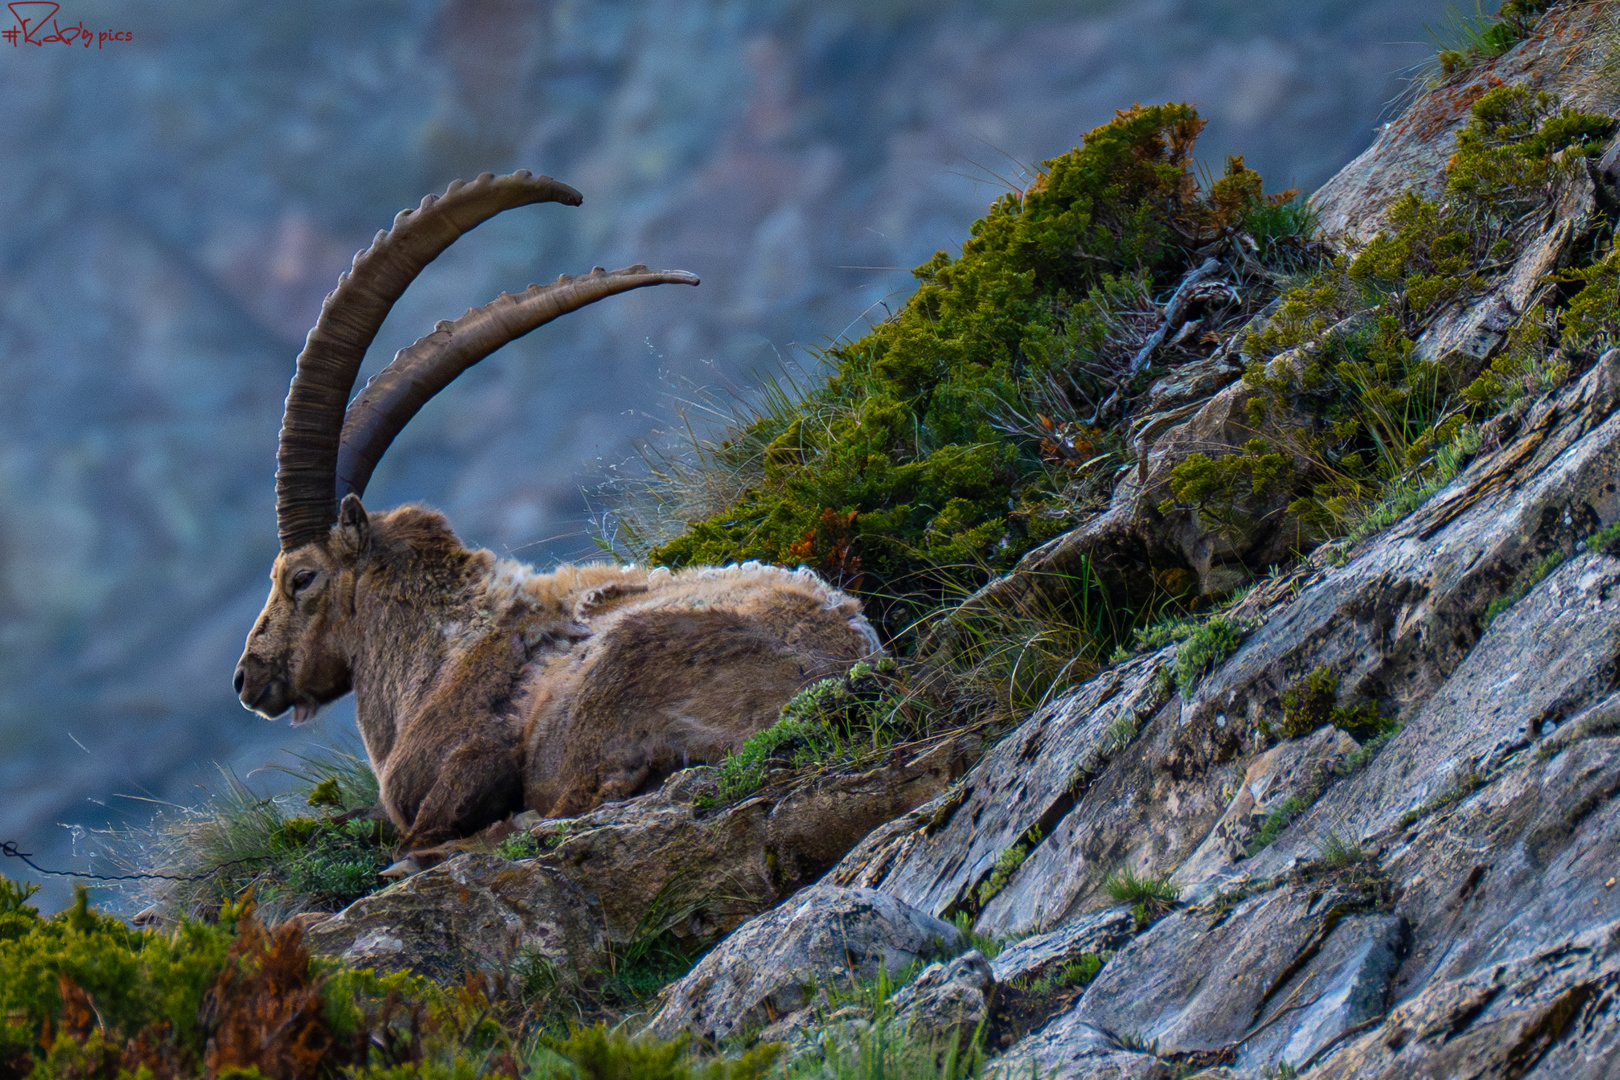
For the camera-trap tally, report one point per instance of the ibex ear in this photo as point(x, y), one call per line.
point(354, 527)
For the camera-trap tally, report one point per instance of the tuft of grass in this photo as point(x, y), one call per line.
point(987, 945)
point(290, 859)
point(1338, 852)
point(1149, 896)
point(1464, 41)
point(603, 1053)
point(838, 720)
point(1078, 972)
point(1357, 760)
point(637, 971)
point(1602, 541)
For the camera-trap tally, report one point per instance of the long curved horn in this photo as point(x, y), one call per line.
point(393, 395)
point(306, 497)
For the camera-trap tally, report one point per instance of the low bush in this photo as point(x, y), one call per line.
point(1314, 701)
point(971, 426)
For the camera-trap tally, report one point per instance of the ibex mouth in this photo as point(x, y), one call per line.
point(303, 714)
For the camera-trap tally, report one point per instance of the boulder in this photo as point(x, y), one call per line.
point(948, 1003)
point(772, 966)
point(473, 913)
point(1073, 1050)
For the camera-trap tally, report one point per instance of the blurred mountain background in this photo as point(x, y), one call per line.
point(174, 207)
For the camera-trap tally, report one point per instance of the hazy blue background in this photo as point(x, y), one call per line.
point(172, 210)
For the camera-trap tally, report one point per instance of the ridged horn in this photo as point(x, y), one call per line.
point(393, 395)
point(311, 427)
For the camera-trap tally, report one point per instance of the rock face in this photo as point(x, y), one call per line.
point(1469, 862)
point(772, 966)
point(663, 863)
point(475, 913)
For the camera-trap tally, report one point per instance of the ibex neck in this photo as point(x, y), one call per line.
point(406, 625)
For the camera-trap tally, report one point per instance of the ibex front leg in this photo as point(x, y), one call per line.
point(457, 765)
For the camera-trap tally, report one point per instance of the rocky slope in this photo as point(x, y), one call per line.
point(1436, 898)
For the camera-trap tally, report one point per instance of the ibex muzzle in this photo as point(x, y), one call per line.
point(482, 686)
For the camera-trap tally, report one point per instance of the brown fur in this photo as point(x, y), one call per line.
point(482, 686)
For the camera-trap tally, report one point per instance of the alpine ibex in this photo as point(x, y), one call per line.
point(482, 686)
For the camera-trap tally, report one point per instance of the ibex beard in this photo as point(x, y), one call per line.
point(482, 686)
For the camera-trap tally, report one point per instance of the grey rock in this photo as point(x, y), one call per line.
point(948, 1002)
point(771, 966)
point(1465, 776)
point(1029, 777)
point(1299, 769)
point(1097, 933)
point(474, 913)
point(1343, 987)
point(1546, 1013)
point(1411, 152)
point(1200, 980)
point(1071, 1049)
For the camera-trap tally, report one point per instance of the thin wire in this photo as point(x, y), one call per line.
point(9, 850)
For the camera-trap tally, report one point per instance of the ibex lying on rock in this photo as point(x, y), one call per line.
point(482, 686)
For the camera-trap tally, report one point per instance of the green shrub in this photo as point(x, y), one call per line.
point(1313, 701)
point(949, 439)
point(85, 995)
point(1373, 430)
point(520, 845)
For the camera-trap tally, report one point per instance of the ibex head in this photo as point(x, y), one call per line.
point(296, 655)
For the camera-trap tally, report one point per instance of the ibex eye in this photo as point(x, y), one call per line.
point(302, 579)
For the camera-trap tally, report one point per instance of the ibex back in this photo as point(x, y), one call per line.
point(481, 686)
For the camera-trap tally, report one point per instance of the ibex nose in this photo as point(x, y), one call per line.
point(241, 677)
